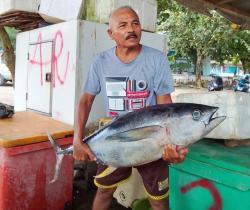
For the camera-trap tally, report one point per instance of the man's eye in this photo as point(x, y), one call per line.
point(122, 26)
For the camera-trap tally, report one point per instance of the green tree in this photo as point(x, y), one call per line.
point(7, 42)
point(239, 47)
point(235, 48)
point(193, 35)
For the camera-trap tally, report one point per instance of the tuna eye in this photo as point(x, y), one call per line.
point(196, 114)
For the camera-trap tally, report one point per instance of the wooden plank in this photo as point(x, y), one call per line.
point(229, 9)
point(224, 2)
point(28, 127)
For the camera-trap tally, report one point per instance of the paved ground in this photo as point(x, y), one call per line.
point(7, 94)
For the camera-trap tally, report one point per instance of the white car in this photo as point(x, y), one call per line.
point(5, 74)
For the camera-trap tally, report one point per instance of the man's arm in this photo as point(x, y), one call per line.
point(171, 153)
point(164, 99)
point(81, 150)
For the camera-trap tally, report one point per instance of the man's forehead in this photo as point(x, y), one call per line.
point(122, 15)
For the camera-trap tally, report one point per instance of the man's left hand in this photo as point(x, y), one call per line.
point(174, 154)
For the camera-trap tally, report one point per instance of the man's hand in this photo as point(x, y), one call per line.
point(174, 154)
point(82, 152)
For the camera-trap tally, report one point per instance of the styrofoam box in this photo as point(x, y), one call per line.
point(146, 10)
point(127, 193)
point(236, 107)
point(55, 11)
point(18, 5)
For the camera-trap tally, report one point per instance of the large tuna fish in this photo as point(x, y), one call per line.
point(139, 137)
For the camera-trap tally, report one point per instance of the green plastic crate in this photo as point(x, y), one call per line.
point(142, 204)
point(212, 177)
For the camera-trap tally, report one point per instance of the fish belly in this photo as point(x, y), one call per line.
point(125, 154)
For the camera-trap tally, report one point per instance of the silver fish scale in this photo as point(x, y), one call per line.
point(139, 137)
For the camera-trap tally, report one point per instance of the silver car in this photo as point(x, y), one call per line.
point(5, 75)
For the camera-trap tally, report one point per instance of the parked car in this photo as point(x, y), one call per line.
point(5, 75)
point(216, 84)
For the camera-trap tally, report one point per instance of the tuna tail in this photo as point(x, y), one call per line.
point(59, 152)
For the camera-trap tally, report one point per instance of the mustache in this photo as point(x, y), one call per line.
point(131, 35)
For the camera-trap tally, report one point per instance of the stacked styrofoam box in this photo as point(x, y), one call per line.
point(127, 193)
point(146, 10)
point(55, 11)
point(7, 6)
point(236, 107)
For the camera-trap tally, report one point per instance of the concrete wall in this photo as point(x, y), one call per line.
point(234, 105)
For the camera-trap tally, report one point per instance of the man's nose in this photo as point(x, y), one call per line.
point(131, 28)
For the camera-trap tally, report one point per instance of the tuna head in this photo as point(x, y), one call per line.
point(191, 122)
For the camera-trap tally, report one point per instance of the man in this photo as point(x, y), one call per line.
point(129, 76)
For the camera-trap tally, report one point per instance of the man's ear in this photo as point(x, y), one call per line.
point(110, 33)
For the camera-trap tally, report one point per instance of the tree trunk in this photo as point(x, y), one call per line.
point(8, 54)
point(195, 64)
point(245, 65)
point(198, 70)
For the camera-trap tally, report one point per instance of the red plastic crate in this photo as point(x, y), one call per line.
point(26, 170)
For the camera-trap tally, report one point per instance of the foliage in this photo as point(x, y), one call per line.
point(12, 35)
point(8, 55)
point(190, 33)
point(195, 36)
point(240, 48)
point(180, 67)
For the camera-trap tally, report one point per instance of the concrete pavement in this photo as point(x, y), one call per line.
point(7, 94)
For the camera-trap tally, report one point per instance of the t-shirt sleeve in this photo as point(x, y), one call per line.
point(92, 82)
point(163, 80)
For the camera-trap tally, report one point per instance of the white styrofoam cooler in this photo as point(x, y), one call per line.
point(18, 5)
point(55, 11)
point(52, 11)
point(146, 10)
point(236, 107)
point(127, 193)
point(52, 64)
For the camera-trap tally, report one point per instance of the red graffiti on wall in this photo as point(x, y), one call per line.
point(217, 205)
point(57, 49)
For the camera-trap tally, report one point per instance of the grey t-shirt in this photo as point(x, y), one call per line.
point(129, 86)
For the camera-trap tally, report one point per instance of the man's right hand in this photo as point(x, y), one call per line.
point(82, 152)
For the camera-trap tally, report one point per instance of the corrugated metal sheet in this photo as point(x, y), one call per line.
point(237, 11)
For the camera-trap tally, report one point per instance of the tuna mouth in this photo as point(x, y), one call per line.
point(214, 120)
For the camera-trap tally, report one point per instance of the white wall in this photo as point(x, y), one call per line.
point(63, 61)
point(22, 49)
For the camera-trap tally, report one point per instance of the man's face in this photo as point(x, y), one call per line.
point(125, 28)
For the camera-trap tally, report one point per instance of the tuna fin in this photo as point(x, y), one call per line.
point(136, 134)
point(106, 172)
point(59, 157)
